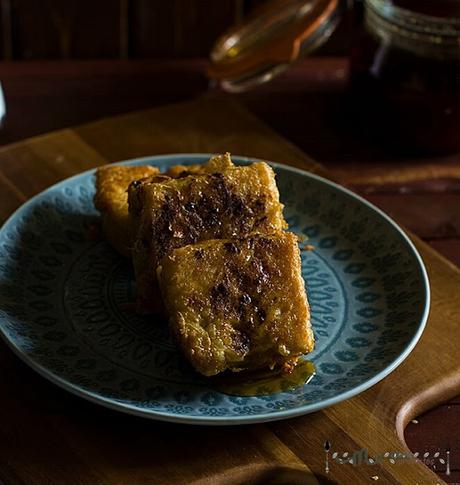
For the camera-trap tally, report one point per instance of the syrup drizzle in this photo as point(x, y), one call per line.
point(265, 382)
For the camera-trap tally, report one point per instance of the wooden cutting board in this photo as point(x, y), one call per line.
point(49, 436)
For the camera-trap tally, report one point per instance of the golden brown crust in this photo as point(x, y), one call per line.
point(235, 202)
point(238, 304)
point(217, 163)
point(179, 171)
point(112, 182)
point(111, 199)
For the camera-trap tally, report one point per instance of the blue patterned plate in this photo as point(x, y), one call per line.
point(61, 294)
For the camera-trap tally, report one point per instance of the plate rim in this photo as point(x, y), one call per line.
point(115, 405)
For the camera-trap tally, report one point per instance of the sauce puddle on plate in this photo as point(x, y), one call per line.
point(265, 382)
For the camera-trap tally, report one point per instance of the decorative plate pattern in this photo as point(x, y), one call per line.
point(62, 296)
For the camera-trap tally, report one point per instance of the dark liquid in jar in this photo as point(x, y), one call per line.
point(437, 8)
point(407, 100)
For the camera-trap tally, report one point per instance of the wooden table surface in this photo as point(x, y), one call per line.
point(306, 105)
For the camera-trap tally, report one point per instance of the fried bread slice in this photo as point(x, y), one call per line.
point(232, 203)
point(215, 164)
point(111, 199)
point(238, 304)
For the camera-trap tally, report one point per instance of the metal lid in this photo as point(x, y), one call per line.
point(270, 39)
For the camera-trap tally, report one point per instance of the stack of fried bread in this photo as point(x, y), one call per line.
point(209, 249)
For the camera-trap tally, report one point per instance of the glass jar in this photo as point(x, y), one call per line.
point(405, 74)
point(405, 62)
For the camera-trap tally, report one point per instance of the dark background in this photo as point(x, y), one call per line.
point(123, 29)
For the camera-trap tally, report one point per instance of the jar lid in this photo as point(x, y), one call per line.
point(272, 37)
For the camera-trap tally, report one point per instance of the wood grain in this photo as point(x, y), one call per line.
point(430, 216)
point(53, 29)
point(178, 28)
point(45, 96)
point(71, 29)
point(52, 437)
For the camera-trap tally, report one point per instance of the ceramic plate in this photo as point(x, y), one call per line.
point(62, 294)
